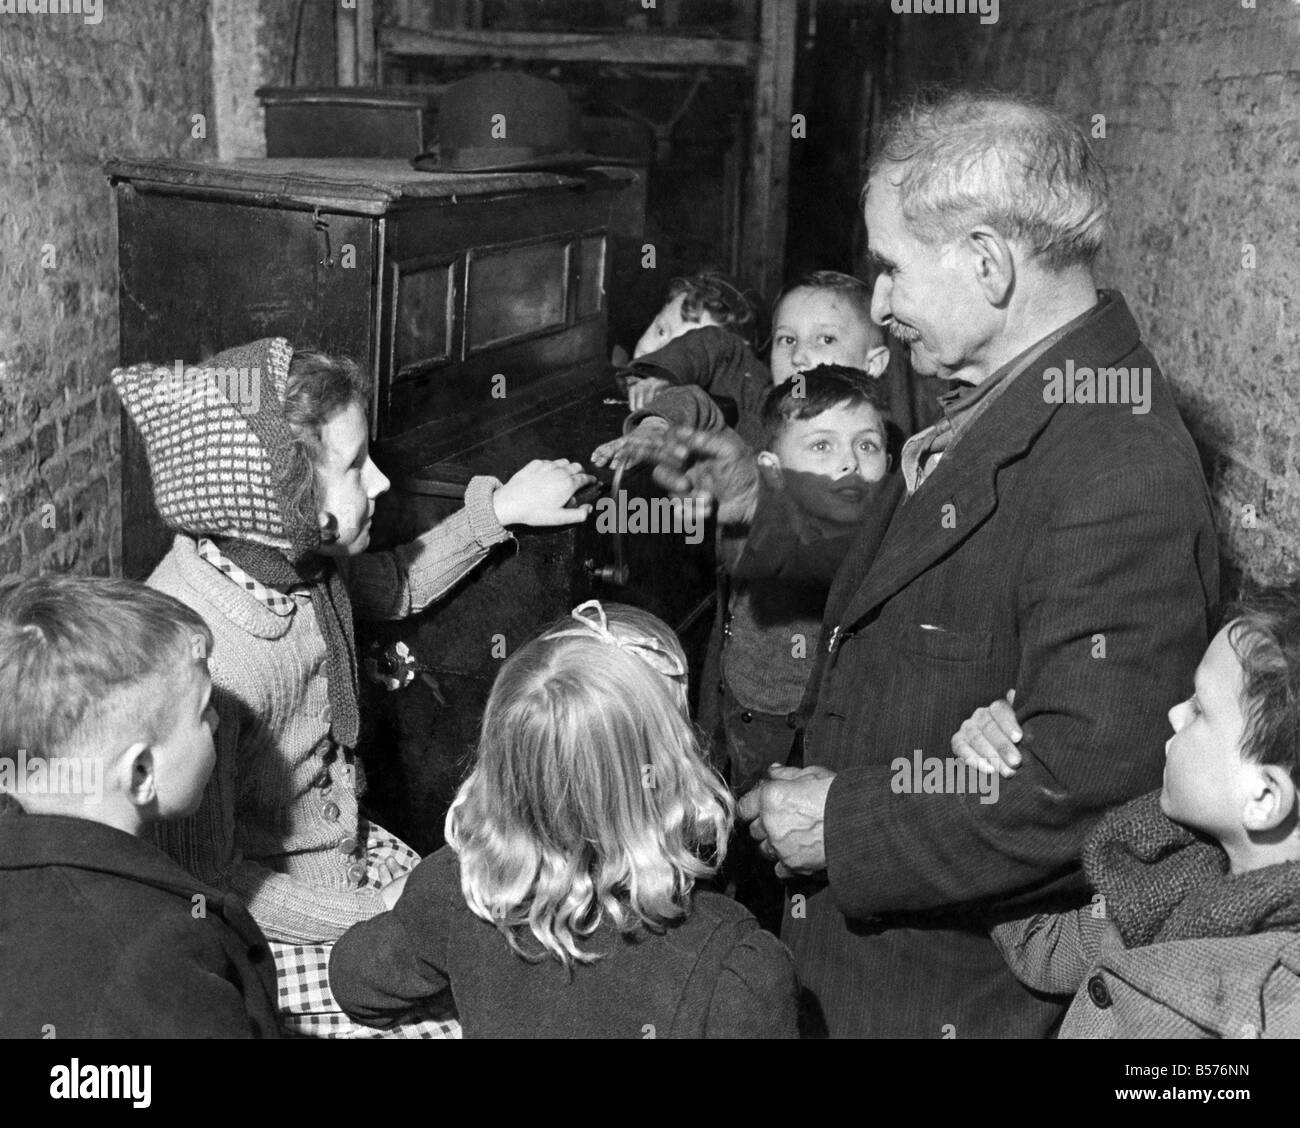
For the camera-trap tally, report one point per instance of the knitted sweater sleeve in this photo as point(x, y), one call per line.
point(393, 585)
point(207, 845)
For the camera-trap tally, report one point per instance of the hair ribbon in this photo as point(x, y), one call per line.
point(650, 650)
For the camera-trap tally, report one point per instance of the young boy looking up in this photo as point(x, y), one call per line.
point(821, 318)
point(1194, 930)
point(106, 730)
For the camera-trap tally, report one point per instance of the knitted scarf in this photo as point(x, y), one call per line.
point(221, 459)
point(1162, 882)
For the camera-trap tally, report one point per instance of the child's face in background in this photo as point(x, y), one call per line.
point(812, 327)
point(668, 325)
point(347, 481)
point(832, 462)
point(1206, 777)
point(183, 758)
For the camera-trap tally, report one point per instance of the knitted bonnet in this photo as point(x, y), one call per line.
point(220, 450)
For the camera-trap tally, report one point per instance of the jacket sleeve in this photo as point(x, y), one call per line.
point(1111, 620)
point(383, 967)
point(697, 357)
point(1052, 952)
point(687, 406)
point(757, 994)
point(393, 585)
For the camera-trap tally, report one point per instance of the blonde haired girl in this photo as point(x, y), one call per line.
point(564, 904)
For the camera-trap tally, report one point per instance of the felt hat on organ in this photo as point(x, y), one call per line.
point(504, 121)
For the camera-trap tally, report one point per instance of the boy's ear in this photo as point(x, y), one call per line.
point(329, 528)
point(769, 469)
point(877, 361)
point(1271, 800)
point(134, 774)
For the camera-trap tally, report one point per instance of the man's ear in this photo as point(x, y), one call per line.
point(994, 264)
point(877, 361)
point(769, 469)
point(133, 774)
point(1271, 801)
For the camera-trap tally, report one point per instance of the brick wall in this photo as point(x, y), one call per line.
point(1203, 145)
point(72, 95)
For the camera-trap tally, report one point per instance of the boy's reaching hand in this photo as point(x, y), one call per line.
point(714, 468)
point(628, 450)
point(987, 738)
point(642, 389)
point(540, 492)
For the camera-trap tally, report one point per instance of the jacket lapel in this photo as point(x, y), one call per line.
point(961, 492)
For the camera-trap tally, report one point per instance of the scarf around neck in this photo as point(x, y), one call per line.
point(1163, 883)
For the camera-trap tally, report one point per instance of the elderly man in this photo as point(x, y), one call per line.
point(1055, 535)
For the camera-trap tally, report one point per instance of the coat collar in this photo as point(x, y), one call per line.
point(232, 600)
point(36, 841)
point(958, 496)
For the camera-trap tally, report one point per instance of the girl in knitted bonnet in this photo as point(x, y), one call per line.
point(272, 494)
point(564, 903)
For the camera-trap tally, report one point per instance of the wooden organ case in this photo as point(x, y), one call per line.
point(480, 303)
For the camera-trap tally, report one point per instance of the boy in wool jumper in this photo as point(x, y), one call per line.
point(272, 501)
point(564, 905)
point(105, 729)
point(1194, 930)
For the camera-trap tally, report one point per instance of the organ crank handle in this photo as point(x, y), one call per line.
point(615, 574)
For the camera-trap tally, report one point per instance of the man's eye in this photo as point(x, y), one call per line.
point(829, 340)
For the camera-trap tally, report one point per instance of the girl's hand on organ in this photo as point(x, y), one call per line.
point(626, 450)
point(642, 389)
point(539, 493)
point(987, 738)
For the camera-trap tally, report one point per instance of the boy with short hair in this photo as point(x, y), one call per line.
point(1194, 930)
point(105, 731)
point(821, 318)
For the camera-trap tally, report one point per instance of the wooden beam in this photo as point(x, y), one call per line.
point(767, 196)
point(345, 42)
point(367, 59)
point(622, 47)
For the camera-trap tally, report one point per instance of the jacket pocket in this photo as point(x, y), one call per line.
point(946, 645)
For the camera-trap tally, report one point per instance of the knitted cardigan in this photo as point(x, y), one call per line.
point(279, 817)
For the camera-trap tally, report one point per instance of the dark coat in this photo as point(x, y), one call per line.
point(1065, 550)
point(99, 938)
point(715, 974)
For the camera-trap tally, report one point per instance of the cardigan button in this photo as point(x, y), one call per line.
point(326, 715)
point(357, 872)
point(331, 811)
point(348, 846)
point(1098, 992)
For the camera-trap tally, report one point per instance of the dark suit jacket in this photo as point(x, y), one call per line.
point(1065, 550)
point(99, 939)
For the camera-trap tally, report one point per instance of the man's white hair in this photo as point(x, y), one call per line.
point(961, 159)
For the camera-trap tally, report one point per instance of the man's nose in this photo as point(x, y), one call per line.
point(880, 300)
